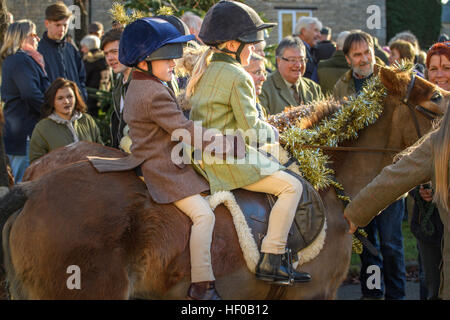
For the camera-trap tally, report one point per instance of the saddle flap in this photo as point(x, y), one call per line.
point(308, 222)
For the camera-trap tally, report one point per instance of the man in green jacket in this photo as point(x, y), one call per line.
point(332, 69)
point(387, 227)
point(359, 52)
point(287, 86)
point(110, 47)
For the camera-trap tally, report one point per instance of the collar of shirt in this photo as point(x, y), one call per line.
point(306, 45)
point(289, 85)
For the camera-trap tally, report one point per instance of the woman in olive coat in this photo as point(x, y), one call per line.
point(64, 120)
point(427, 160)
point(222, 96)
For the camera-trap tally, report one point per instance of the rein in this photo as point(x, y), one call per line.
point(405, 100)
point(354, 149)
point(430, 115)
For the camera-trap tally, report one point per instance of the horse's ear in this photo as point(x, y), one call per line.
point(376, 69)
point(390, 80)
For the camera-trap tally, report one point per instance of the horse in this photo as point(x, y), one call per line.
point(127, 246)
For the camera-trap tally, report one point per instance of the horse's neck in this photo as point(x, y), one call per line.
point(356, 169)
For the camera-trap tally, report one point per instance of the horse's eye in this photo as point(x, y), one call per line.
point(436, 97)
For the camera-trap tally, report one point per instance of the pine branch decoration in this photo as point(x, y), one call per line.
point(119, 14)
point(165, 11)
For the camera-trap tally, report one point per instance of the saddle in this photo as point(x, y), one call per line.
point(308, 223)
point(250, 212)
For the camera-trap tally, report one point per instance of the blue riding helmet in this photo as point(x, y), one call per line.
point(150, 39)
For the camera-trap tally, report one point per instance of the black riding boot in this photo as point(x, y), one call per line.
point(277, 268)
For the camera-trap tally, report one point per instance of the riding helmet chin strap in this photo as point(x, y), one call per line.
point(237, 53)
point(149, 67)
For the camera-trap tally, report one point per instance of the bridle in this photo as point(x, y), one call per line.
point(425, 112)
point(430, 115)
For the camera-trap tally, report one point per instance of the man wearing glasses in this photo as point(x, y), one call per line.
point(257, 70)
point(287, 86)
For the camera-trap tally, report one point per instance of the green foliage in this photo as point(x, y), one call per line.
point(104, 115)
point(422, 18)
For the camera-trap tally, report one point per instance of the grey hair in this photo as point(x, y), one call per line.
point(15, 36)
point(341, 39)
point(192, 20)
point(407, 36)
point(290, 42)
point(91, 42)
point(304, 22)
point(256, 57)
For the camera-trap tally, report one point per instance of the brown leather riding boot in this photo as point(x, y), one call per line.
point(205, 290)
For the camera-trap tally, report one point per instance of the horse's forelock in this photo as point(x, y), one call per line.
point(395, 81)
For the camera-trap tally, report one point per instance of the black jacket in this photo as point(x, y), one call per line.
point(22, 90)
point(63, 60)
point(95, 64)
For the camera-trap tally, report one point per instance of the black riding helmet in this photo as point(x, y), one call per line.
point(177, 23)
point(230, 20)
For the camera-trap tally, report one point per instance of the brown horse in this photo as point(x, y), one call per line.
point(127, 246)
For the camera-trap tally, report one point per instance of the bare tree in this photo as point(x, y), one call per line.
point(84, 20)
point(4, 19)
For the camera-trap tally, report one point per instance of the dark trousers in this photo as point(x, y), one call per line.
point(431, 258)
point(385, 232)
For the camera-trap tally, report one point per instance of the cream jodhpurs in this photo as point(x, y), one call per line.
point(288, 189)
point(199, 211)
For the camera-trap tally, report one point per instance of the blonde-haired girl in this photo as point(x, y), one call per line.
point(222, 96)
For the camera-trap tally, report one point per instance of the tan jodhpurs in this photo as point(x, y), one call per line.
point(199, 211)
point(288, 189)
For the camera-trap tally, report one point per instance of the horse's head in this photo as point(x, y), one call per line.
point(416, 91)
point(415, 103)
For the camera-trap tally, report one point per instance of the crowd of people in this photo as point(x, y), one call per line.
point(45, 90)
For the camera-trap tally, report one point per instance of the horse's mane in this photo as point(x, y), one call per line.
point(305, 116)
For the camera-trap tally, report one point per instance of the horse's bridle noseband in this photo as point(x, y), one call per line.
point(427, 113)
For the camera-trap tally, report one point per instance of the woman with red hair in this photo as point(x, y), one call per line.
point(438, 64)
point(426, 224)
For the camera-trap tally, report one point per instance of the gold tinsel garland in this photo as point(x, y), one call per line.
point(357, 246)
point(355, 114)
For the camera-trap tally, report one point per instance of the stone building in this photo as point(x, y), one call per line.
point(338, 14)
